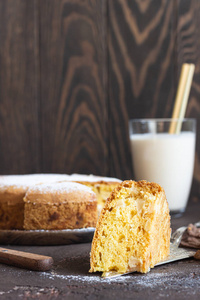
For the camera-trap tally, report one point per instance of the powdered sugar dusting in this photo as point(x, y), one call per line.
point(59, 187)
point(93, 278)
point(91, 178)
point(148, 280)
point(28, 180)
point(151, 280)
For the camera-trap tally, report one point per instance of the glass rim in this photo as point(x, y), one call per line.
point(162, 120)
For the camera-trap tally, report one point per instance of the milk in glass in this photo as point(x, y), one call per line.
point(167, 159)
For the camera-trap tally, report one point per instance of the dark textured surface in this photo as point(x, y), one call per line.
point(69, 278)
point(72, 74)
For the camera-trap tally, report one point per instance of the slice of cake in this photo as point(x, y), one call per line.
point(60, 205)
point(133, 231)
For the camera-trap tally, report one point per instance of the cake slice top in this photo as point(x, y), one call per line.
point(142, 195)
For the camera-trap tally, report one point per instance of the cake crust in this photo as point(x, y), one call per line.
point(12, 207)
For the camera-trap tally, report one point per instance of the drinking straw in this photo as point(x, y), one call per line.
point(181, 100)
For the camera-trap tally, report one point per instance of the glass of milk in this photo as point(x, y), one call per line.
point(165, 158)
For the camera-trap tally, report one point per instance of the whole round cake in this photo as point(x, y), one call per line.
point(13, 189)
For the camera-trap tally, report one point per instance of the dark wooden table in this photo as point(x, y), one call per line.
point(69, 278)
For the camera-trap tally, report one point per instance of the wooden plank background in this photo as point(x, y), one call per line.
point(19, 87)
point(73, 72)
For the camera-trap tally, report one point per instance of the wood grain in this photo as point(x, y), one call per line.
point(26, 260)
point(73, 98)
point(141, 70)
point(46, 237)
point(148, 42)
point(74, 72)
point(188, 50)
point(18, 87)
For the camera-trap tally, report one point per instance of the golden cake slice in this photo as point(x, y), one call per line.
point(133, 231)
